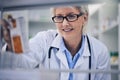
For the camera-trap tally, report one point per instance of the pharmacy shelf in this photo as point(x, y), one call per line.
point(16, 4)
point(110, 30)
point(110, 34)
point(110, 38)
point(25, 4)
point(119, 36)
point(114, 65)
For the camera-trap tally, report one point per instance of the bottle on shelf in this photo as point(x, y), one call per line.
point(114, 57)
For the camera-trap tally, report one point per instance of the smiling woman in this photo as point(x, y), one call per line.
point(70, 22)
point(67, 47)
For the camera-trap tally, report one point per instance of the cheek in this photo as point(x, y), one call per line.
point(58, 26)
point(80, 22)
point(78, 25)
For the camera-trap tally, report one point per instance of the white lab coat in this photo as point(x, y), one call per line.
point(40, 44)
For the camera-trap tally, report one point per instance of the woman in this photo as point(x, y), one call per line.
point(68, 47)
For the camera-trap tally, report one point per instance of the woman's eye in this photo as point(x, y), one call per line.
point(59, 17)
point(71, 16)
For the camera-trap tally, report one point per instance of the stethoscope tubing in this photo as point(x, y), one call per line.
point(50, 49)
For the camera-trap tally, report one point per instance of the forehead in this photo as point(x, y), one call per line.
point(65, 10)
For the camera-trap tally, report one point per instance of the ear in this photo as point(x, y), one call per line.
point(85, 17)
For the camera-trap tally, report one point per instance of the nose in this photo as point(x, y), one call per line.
point(65, 22)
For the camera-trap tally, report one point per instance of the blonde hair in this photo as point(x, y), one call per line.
point(82, 8)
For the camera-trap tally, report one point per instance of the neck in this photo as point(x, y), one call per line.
point(73, 45)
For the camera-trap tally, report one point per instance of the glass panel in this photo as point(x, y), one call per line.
point(35, 25)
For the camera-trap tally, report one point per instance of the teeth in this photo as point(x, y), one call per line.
point(67, 30)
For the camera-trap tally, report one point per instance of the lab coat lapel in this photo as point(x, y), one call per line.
point(61, 56)
point(79, 62)
point(85, 53)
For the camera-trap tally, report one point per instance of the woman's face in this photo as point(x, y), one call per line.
point(69, 29)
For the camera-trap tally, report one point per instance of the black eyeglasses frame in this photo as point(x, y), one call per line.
point(65, 17)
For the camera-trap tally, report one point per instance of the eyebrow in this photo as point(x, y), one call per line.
point(65, 15)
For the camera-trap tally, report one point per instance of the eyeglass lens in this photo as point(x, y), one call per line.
point(70, 18)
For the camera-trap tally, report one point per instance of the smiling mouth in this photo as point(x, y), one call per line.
point(68, 29)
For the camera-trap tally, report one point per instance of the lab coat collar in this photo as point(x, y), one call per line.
point(57, 41)
point(60, 54)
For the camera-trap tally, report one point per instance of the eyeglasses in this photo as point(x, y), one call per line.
point(69, 18)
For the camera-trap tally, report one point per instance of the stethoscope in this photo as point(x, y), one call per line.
point(50, 49)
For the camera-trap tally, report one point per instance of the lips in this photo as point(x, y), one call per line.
point(68, 29)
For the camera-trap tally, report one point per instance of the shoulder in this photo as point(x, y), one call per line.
point(39, 44)
point(44, 35)
point(100, 54)
point(99, 49)
point(96, 43)
point(42, 39)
